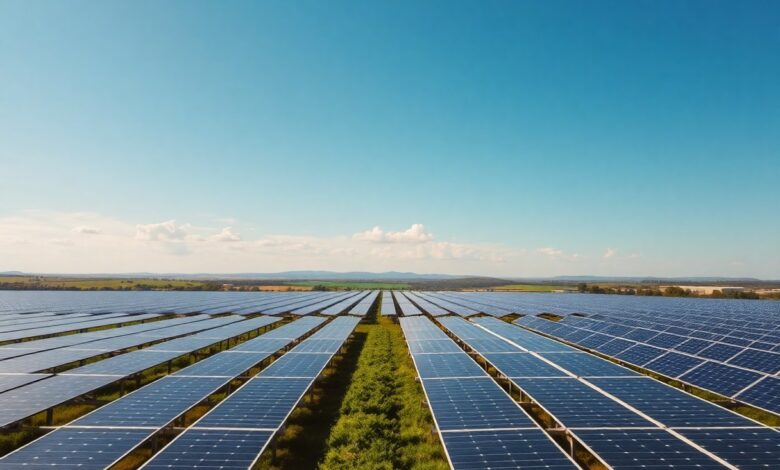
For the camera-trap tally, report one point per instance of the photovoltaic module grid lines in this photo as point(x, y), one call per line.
point(735, 357)
point(148, 409)
point(612, 410)
point(235, 432)
point(481, 426)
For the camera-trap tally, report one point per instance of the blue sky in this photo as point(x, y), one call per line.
point(526, 138)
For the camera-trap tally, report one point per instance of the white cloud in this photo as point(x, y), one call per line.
point(227, 235)
point(164, 231)
point(414, 234)
point(610, 253)
point(558, 254)
point(86, 230)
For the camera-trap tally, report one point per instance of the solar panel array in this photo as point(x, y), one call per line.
point(235, 432)
point(740, 361)
point(107, 434)
point(611, 409)
point(364, 306)
point(388, 305)
point(480, 425)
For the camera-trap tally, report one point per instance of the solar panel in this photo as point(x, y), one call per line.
point(588, 365)
point(447, 365)
point(652, 448)
point(576, 405)
point(744, 448)
point(153, 405)
point(223, 364)
point(673, 364)
point(615, 346)
point(668, 405)
point(211, 449)
point(38, 396)
point(433, 346)
point(8, 382)
point(518, 365)
point(720, 378)
point(764, 394)
point(77, 448)
point(640, 354)
point(297, 365)
point(262, 403)
point(529, 448)
point(758, 360)
point(320, 346)
point(475, 403)
point(720, 352)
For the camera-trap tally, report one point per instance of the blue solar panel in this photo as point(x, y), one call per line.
point(693, 346)
point(224, 364)
point(8, 382)
point(261, 403)
point(477, 403)
point(744, 448)
point(587, 365)
point(653, 448)
point(447, 365)
point(640, 354)
point(758, 360)
point(211, 449)
point(721, 379)
point(320, 346)
point(615, 346)
point(77, 448)
point(670, 406)
point(665, 340)
point(576, 405)
point(594, 340)
point(434, 346)
point(530, 449)
point(765, 394)
point(523, 365)
point(673, 364)
point(155, 404)
point(720, 352)
point(297, 365)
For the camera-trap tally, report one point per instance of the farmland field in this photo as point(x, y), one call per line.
point(386, 379)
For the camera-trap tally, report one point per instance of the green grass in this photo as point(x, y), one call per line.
point(351, 285)
point(382, 422)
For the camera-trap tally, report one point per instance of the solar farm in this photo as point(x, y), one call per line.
point(165, 380)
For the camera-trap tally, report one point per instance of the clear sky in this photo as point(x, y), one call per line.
point(526, 138)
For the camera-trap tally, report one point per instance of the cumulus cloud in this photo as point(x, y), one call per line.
point(558, 254)
point(164, 231)
point(227, 235)
point(86, 230)
point(414, 234)
point(610, 253)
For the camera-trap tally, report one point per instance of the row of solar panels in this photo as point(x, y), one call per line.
point(41, 325)
point(26, 394)
point(740, 372)
point(623, 418)
point(479, 424)
point(231, 435)
point(83, 305)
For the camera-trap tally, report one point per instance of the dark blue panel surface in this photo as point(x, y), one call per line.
point(503, 450)
point(672, 407)
point(76, 448)
point(636, 449)
point(211, 449)
point(473, 404)
point(747, 449)
point(764, 394)
point(720, 378)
